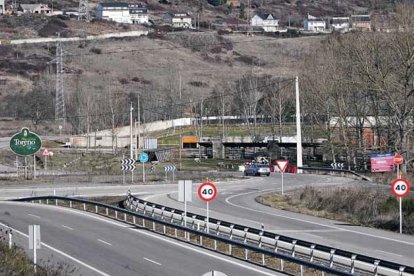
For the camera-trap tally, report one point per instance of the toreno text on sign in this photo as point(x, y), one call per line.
point(383, 162)
point(25, 142)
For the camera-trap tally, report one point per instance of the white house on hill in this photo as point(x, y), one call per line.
point(266, 21)
point(178, 19)
point(34, 8)
point(314, 24)
point(340, 24)
point(122, 12)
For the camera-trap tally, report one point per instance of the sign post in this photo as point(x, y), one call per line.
point(185, 193)
point(207, 192)
point(26, 143)
point(143, 158)
point(34, 241)
point(400, 188)
point(282, 165)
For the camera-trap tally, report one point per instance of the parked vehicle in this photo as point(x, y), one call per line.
point(257, 169)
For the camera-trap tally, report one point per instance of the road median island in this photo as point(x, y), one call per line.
point(366, 206)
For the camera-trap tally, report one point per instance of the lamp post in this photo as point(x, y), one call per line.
point(298, 129)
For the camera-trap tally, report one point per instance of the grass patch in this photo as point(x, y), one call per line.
point(15, 261)
point(367, 206)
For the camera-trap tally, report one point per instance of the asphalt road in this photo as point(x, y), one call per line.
point(236, 203)
point(98, 246)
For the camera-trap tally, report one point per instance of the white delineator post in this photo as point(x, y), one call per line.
point(298, 129)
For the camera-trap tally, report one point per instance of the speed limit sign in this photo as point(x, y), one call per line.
point(400, 187)
point(207, 191)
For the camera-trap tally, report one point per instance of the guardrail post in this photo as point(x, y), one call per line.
point(353, 257)
point(172, 216)
point(145, 208)
point(70, 204)
point(84, 207)
point(401, 270)
point(125, 217)
point(153, 210)
point(116, 214)
point(47, 201)
point(276, 242)
point(231, 237)
point(301, 270)
point(376, 264)
point(96, 208)
point(246, 252)
point(260, 244)
point(133, 219)
point(217, 234)
point(162, 212)
point(56, 202)
point(312, 249)
point(294, 248)
point(106, 211)
point(331, 258)
point(40, 201)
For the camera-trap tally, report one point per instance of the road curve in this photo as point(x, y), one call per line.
point(236, 203)
point(98, 246)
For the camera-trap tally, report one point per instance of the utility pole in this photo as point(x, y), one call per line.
point(298, 128)
point(83, 14)
point(60, 111)
point(138, 129)
point(130, 132)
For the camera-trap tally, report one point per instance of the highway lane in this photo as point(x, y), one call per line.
point(236, 203)
point(99, 246)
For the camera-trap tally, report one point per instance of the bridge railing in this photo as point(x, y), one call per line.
point(256, 246)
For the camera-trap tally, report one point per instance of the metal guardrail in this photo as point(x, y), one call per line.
point(330, 170)
point(257, 246)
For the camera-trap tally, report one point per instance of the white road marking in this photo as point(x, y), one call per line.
point(102, 241)
point(61, 253)
point(33, 215)
point(195, 249)
point(154, 262)
point(220, 257)
point(389, 253)
point(67, 227)
point(311, 222)
point(304, 231)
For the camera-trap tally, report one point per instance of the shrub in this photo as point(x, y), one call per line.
point(97, 51)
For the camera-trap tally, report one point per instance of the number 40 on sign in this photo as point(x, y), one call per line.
point(400, 187)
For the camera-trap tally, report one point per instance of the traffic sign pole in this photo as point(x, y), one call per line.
point(143, 172)
point(400, 188)
point(400, 215)
point(208, 219)
point(282, 183)
point(123, 172)
point(207, 192)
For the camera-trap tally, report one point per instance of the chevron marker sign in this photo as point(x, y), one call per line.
point(128, 167)
point(127, 162)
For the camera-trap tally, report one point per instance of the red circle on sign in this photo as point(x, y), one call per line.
point(400, 187)
point(207, 191)
point(398, 159)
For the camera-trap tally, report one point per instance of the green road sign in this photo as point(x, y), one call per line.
point(25, 142)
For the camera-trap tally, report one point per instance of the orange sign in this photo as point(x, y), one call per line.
point(190, 139)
